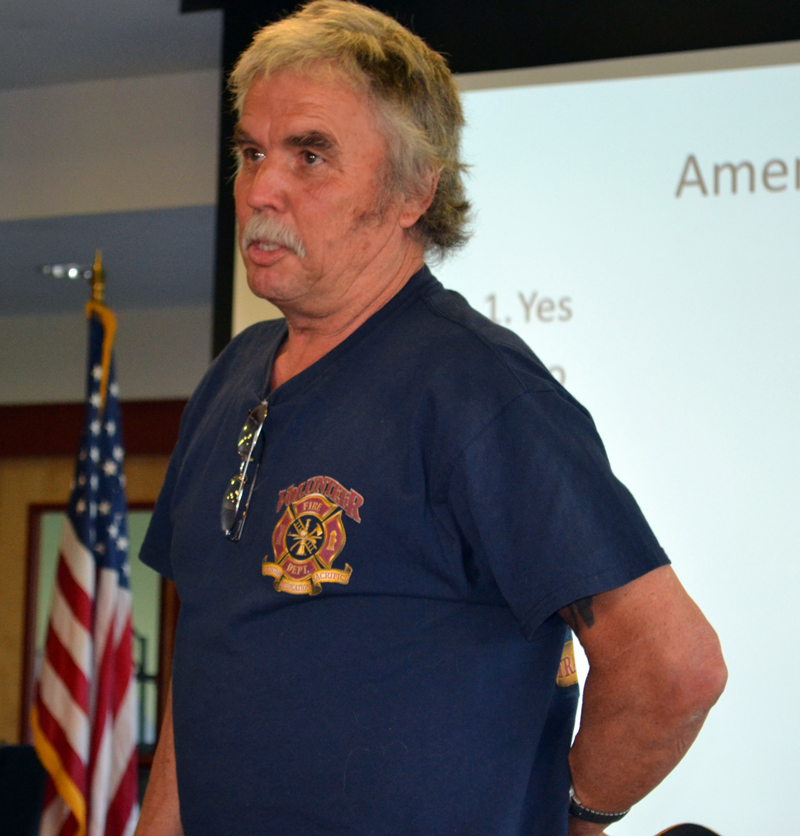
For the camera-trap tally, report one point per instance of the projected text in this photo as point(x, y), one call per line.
point(733, 179)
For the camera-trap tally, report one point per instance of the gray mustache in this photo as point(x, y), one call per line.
point(266, 228)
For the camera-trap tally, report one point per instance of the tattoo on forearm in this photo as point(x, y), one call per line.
point(582, 611)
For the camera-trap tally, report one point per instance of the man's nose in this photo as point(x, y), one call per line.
point(267, 187)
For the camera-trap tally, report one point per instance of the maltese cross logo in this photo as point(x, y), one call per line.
point(307, 539)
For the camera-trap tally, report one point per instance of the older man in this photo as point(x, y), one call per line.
point(376, 642)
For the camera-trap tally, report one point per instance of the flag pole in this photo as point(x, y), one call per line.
point(98, 308)
point(98, 279)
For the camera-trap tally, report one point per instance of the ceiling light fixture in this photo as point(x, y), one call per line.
point(66, 271)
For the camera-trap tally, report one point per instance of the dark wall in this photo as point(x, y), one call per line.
point(478, 35)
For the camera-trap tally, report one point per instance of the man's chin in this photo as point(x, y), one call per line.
point(269, 283)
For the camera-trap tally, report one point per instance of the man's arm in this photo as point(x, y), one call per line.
point(160, 811)
point(655, 670)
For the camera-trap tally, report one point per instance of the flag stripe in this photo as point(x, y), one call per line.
point(71, 675)
point(71, 792)
point(122, 622)
point(79, 559)
point(123, 798)
point(69, 762)
point(71, 828)
point(123, 662)
point(72, 634)
point(79, 603)
point(70, 716)
point(100, 752)
point(124, 736)
point(100, 779)
point(133, 820)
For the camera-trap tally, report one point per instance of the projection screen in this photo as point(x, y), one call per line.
point(637, 222)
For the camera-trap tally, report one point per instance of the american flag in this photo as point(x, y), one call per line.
point(84, 715)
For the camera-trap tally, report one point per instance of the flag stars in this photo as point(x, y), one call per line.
point(94, 481)
point(118, 453)
point(114, 389)
point(94, 427)
point(122, 543)
point(80, 507)
point(111, 427)
point(104, 507)
point(100, 548)
point(110, 467)
point(82, 479)
point(94, 454)
point(97, 372)
point(95, 400)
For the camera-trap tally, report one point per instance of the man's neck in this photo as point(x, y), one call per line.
point(311, 337)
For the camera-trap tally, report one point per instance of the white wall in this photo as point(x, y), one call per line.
point(109, 146)
point(116, 145)
point(160, 353)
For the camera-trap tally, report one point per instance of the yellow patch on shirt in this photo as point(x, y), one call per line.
point(567, 672)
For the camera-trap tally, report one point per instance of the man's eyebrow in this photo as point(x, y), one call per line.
point(240, 136)
point(316, 140)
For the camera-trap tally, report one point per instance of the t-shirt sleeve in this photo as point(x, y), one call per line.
point(157, 544)
point(535, 497)
point(155, 551)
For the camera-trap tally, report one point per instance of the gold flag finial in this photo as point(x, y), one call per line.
point(98, 279)
point(95, 307)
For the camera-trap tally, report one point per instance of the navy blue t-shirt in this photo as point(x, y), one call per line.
point(379, 652)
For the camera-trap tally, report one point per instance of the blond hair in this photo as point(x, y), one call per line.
point(410, 86)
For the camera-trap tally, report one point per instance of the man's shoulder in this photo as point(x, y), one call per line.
point(452, 335)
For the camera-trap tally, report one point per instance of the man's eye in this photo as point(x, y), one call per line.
point(311, 158)
point(252, 155)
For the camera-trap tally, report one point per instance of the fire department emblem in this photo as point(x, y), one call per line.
point(307, 539)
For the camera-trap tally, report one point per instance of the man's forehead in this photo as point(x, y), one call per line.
point(310, 85)
point(318, 106)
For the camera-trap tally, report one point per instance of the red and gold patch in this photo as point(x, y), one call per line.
point(307, 539)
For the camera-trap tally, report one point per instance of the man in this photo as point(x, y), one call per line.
point(414, 511)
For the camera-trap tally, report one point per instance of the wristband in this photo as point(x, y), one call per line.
point(578, 811)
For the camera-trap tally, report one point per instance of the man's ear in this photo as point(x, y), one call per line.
point(415, 206)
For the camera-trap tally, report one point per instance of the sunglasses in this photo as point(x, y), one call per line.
point(234, 512)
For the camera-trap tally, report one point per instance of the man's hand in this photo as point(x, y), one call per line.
point(655, 670)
